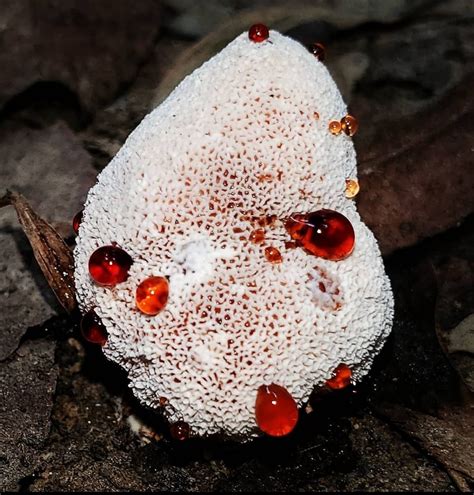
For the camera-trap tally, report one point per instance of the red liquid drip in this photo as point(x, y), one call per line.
point(180, 430)
point(324, 233)
point(276, 412)
point(76, 221)
point(92, 328)
point(258, 33)
point(319, 51)
point(341, 377)
point(335, 127)
point(273, 255)
point(152, 295)
point(257, 236)
point(349, 125)
point(109, 265)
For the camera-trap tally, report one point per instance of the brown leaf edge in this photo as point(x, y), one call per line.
point(53, 255)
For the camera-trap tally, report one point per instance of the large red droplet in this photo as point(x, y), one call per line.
point(92, 328)
point(152, 295)
point(76, 221)
point(276, 412)
point(109, 265)
point(324, 233)
point(341, 377)
point(180, 430)
point(258, 33)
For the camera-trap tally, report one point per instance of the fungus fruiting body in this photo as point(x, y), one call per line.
point(197, 202)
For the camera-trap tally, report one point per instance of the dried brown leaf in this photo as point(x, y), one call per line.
point(453, 315)
point(449, 438)
point(51, 252)
point(417, 171)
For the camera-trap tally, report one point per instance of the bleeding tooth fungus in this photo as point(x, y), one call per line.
point(233, 324)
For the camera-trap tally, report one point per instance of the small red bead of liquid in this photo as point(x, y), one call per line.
point(109, 265)
point(341, 377)
point(92, 328)
point(152, 295)
point(76, 221)
point(335, 127)
point(324, 233)
point(276, 412)
point(273, 255)
point(180, 430)
point(349, 125)
point(258, 33)
point(319, 51)
point(257, 236)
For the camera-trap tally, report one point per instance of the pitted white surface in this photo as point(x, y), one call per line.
point(238, 138)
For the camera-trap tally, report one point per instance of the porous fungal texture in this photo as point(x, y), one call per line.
point(237, 141)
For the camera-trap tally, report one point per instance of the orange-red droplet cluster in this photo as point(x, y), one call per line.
point(258, 33)
point(319, 51)
point(273, 255)
point(349, 125)
point(76, 221)
point(324, 233)
point(92, 328)
point(276, 412)
point(152, 295)
point(341, 377)
point(180, 430)
point(109, 265)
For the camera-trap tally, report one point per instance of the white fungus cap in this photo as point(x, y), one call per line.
point(238, 138)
